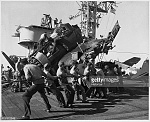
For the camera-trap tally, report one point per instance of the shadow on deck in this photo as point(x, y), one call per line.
point(12, 105)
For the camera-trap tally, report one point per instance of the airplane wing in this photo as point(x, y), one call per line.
point(143, 71)
point(128, 63)
point(9, 60)
point(85, 47)
point(132, 61)
point(120, 64)
point(90, 45)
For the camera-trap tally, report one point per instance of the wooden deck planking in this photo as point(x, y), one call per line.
point(5, 108)
point(11, 111)
point(38, 108)
point(12, 105)
point(13, 101)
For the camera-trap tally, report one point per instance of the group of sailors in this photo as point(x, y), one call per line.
point(47, 21)
point(80, 81)
point(71, 80)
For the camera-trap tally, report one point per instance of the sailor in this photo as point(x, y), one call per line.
point(60, 22)
point(109, 73)
point(43, 20)
point(9, 73)
point(56, 22)
point(89, 71)
point(69, 91)
point(19, 73)
point(46, 41)
point(34, 74)
point(51, 85)
point(121, 88)
point(90, 91)
point(46, 21)
point(103, 88)
point(49, 21)
point(50, 41)
point(116, 87)
point(57, 36)
point(75, 80)
point(119, 74)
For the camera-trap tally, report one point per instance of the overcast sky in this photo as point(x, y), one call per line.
point(133, 18)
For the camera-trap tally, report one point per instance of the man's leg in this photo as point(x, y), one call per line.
point(89, 91)
point(104, 90)
point(67, 93)
point(71, 94)
point(42, 93)
point(98, 91)
point(27, 106)
point(93, 92)
point(20, 84)
point(82, 92)
point(58, 94)
point(121, 88)
point(48, 90)
point(77, 90)
point(26, 99)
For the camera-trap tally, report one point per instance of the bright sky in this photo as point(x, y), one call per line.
point(133, 18)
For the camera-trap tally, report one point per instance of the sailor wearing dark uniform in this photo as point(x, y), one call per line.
point(34, 74)
point(103, 88)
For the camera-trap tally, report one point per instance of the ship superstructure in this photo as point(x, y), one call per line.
point(69, 38)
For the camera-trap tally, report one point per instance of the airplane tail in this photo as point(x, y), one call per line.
point(9, 60)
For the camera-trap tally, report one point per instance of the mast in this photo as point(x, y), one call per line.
point(94, 17)
point(91, 12)
point(89, 18)
point(86, 19)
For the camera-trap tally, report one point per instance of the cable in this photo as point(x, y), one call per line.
point(130, 52)
point(78, 4)
point(107, 23)
point(112, 21)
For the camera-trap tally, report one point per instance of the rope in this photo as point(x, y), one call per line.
point(112, 21)
point(78, 4)
point(107, 23)
point(109, 17)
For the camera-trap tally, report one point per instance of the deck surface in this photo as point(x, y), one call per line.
point(131, 105)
